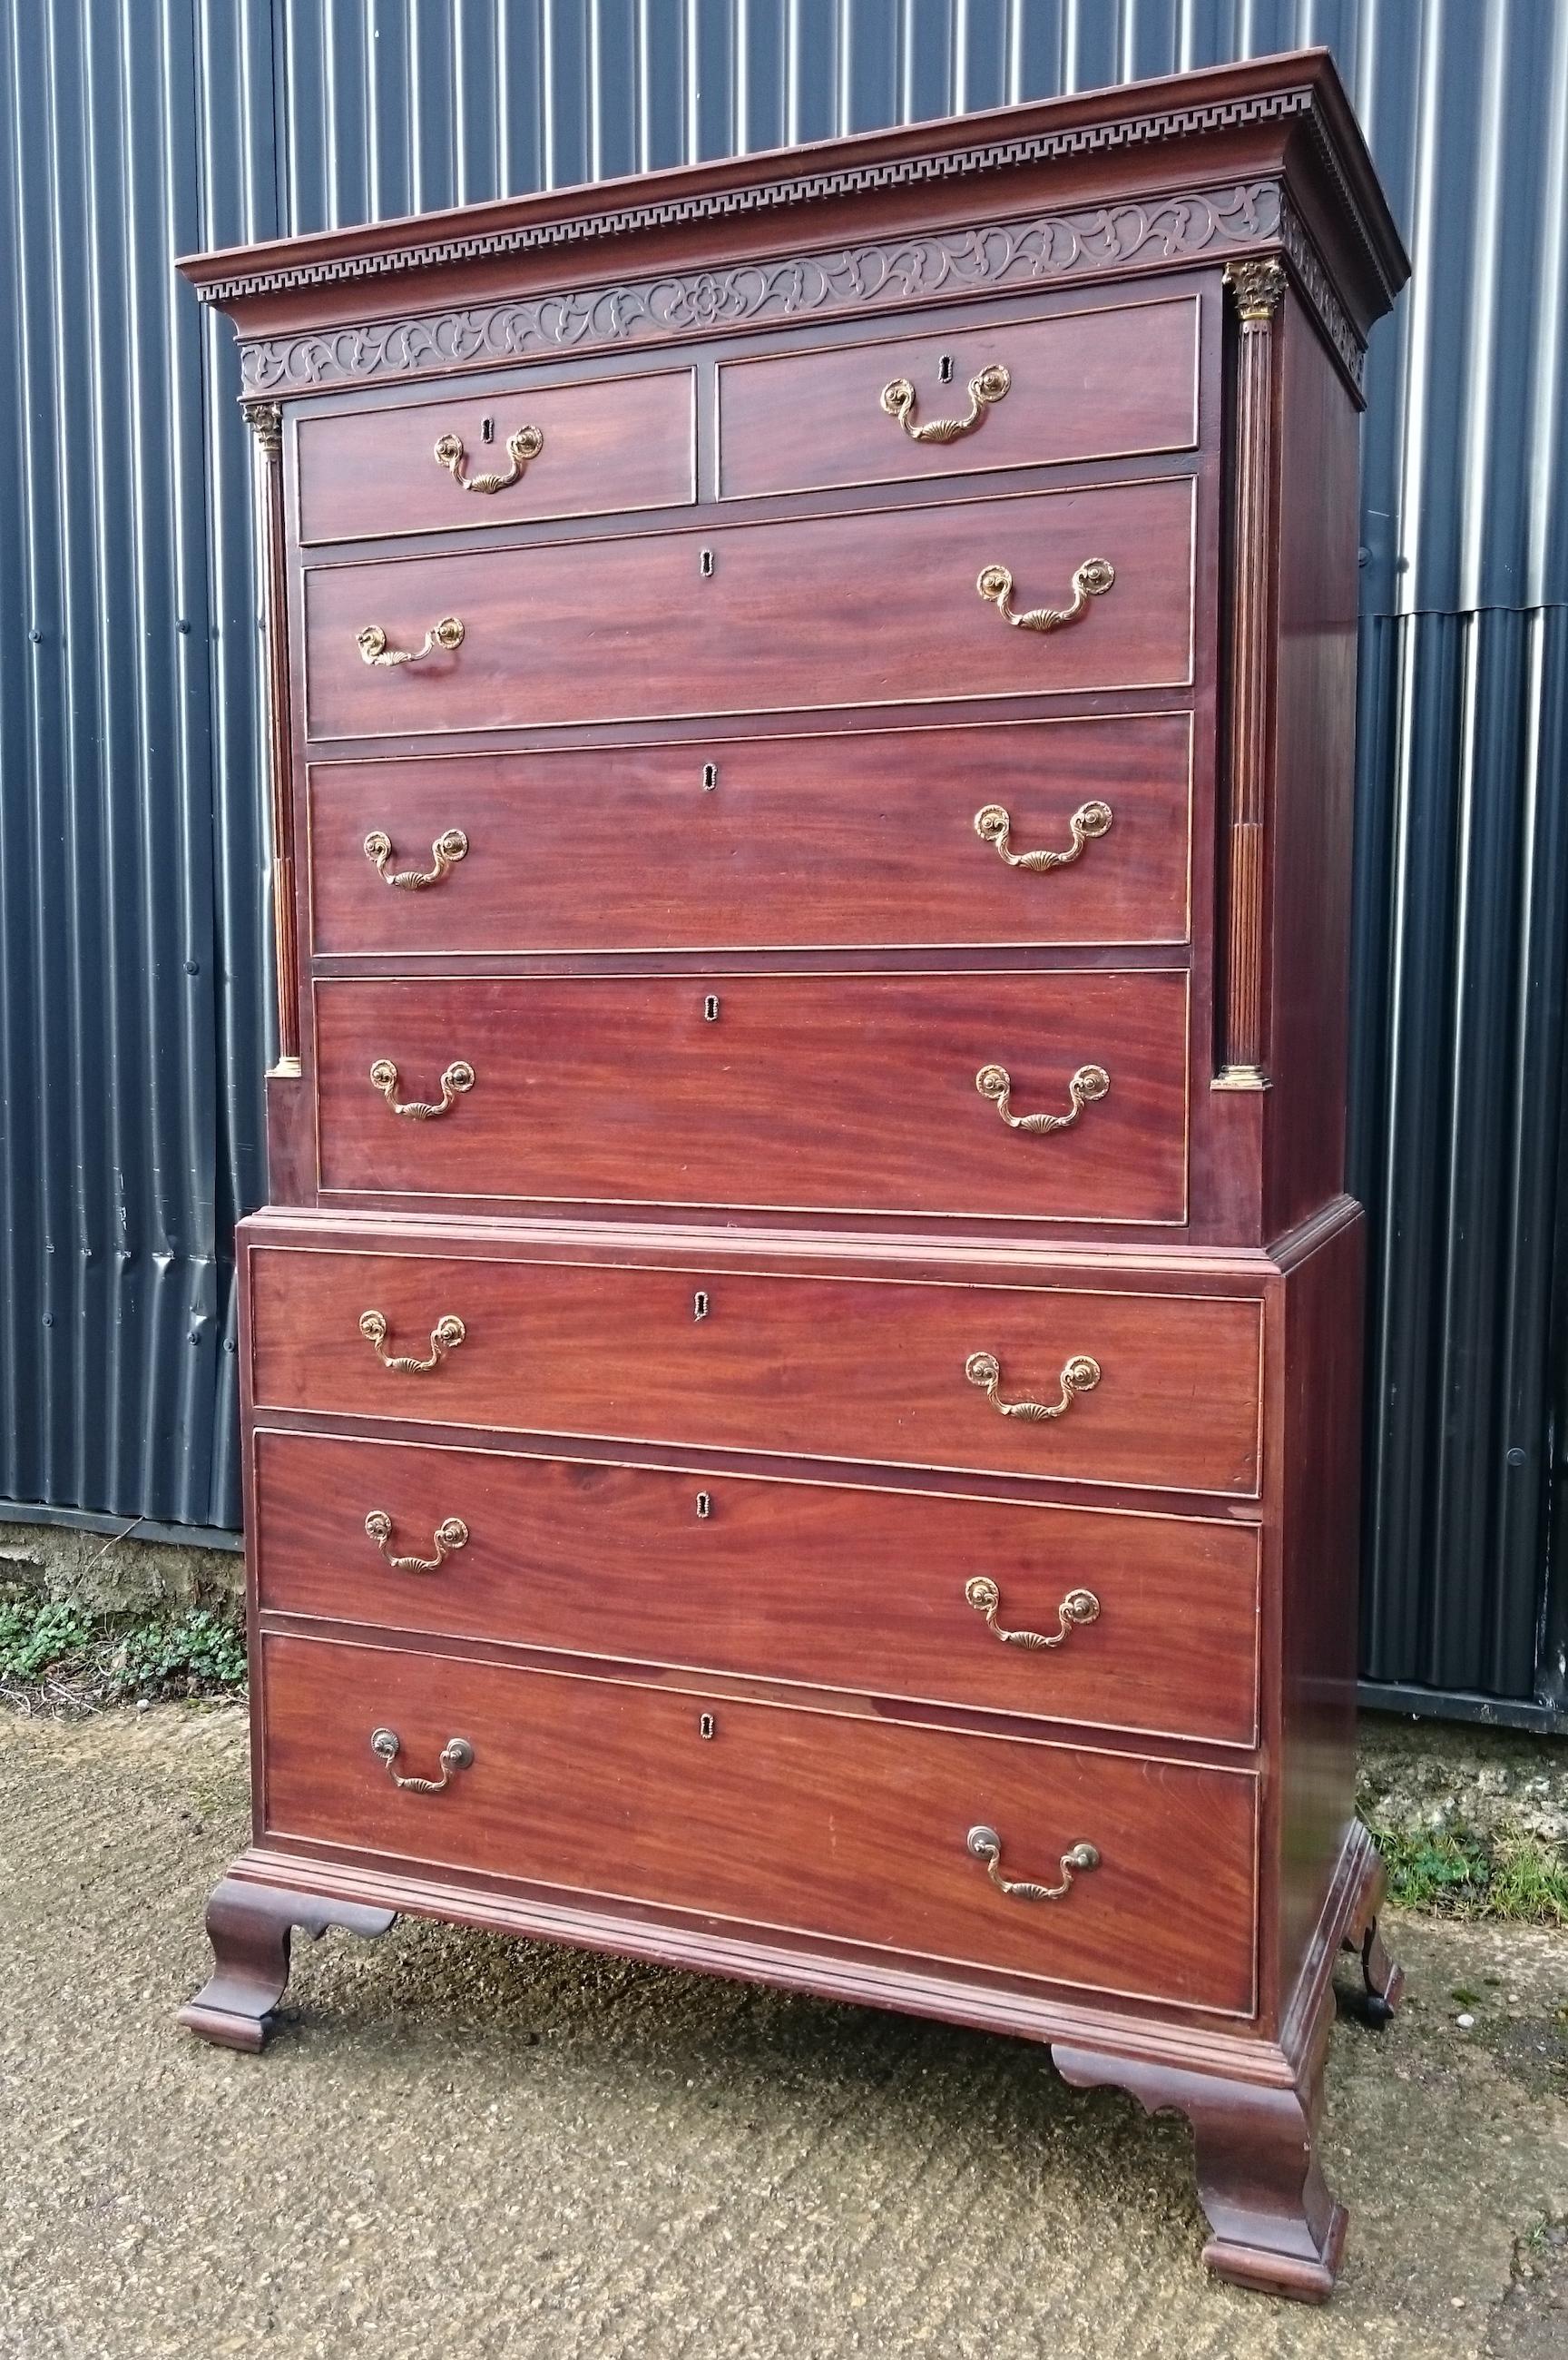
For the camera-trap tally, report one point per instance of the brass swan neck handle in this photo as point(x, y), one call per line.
point(524, 444)
point(1090, 580)
point(445, 1337)
point(993, 824)
point(1079, 1606)
point(447, 849)
point(450, 1535)
point(1088, 1085)
point(373, 645)
point(1079, 1375)
point(986, 385)
point(455, 1754)
point(984, 1844)
point(458, 1077)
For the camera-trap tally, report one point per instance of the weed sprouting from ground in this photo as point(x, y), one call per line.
point(1456, 1874)
point(55, 1658)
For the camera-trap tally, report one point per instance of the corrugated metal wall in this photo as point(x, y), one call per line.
point(131, 1041)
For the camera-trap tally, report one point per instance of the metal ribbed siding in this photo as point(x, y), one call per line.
point(128, 763)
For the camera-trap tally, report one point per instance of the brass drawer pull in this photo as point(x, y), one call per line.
point(1089, 1083)
point(1080, 1375)
point(457, 1078)
point(1078, 1607)
point(993, 824)
point(526, 443)
point(447, 849)
point(988, 385)
point(986, 1844)
point(455, 1754)
point(372, 642)
point(445, 1337)
point(450, 1536)
point(1092, 580)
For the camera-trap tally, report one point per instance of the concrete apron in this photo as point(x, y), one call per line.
point(465, 2143)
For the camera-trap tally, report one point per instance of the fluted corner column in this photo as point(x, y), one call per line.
point(1258, 287)
point(265, 419)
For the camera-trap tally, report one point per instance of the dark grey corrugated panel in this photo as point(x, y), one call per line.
point(127, 762)
point(129, 863)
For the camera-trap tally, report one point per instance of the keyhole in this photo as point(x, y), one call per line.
point(711, 1007)
point(487, 429)
point(944, 369)
point(699, 1305)
point(705, 1503)
point(705, 1725)
point(707, 564)
point(710, 777)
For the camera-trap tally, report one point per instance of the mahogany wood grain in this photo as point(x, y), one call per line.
point(816, 611)
point(816, 1093)
point(861, 1590)
point(251, 1928)
point(784, 1817)
point(609, 443)
point(867, 1369)
point(1314, 780)
point(1087, 385)
point(799, 842)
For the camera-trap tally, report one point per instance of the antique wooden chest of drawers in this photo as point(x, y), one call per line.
point(800, 1378)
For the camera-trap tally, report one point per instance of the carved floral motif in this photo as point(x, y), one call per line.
point(1047, 248)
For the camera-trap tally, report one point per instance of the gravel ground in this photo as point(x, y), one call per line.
point(459, 2145)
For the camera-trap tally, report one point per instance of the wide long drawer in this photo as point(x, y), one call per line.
point(864, 1831)
point(1021, 1096)
point(891, 606)
point(1123, 1621)
point(1128, 1388)
point(1040, 832)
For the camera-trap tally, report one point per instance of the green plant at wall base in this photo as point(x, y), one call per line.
point(80, 1661)
point(35, 1632)
point(1455, 1872)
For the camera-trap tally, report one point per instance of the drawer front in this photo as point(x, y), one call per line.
point(875, 608)
point(599, 446)
point(823, 1093)
point(1149, 1623)
point(796, 842)
point(829, 1824)
point(824, 1368)
point(1086, 385)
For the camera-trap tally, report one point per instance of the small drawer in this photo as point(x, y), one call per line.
point(1020, 393)
point(1144, 1388)
point(1043, 832)
point(585, 449)
point(1120, 1621)
point(762, 618)
point(803, 1820)
point(905, 1094)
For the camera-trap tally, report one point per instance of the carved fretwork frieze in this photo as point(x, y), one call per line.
point(482, 244)
point(1046, 249)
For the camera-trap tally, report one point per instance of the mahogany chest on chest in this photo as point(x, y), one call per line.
point(800, 1378)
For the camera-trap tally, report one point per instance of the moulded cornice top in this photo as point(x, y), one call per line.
point(1298, 94)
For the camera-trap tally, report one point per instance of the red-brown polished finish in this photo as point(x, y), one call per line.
point(761, 844)
point(777, 1816)
point(824, 1585)
point(802, 613)
point(639, 1450)
point(616, 443)
point(836, 1093)
point(1095, 385)
point(866, 1369)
